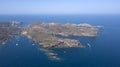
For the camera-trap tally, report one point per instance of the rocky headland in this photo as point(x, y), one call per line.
point(44, 34)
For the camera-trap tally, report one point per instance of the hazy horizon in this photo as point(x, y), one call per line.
point(60, 7)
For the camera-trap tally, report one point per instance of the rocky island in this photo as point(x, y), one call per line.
point(45, 34)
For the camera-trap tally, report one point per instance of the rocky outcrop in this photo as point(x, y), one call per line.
point(7, 31)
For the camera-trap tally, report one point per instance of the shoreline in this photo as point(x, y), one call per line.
point(44, 35)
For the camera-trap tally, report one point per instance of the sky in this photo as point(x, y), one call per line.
point(59, 6)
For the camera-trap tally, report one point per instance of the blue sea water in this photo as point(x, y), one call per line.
point(104, 51)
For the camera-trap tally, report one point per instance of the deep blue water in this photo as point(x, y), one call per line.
point(105, 50)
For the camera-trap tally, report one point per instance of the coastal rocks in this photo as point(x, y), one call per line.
point(64, 43)
point(7, 31)
point(51, 54)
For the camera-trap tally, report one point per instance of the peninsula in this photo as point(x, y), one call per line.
point(46, 34)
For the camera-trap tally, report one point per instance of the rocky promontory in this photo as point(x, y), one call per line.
point(45, 34)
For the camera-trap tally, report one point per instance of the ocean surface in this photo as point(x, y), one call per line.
point(104, 51)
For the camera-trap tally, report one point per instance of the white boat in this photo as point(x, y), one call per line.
point(16, 44)
point(33, 44)
point(3, 43)
point(89, 45)
point(64, 52)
